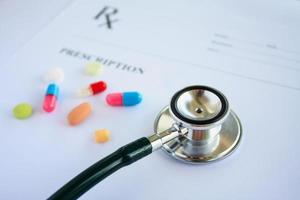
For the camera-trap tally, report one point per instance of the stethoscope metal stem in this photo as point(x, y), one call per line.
point(157, 140)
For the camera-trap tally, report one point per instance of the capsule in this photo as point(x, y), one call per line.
point(124, 99)
point(51, 97)
point(93, 89)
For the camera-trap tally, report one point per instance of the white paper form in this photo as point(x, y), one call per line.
point(250, 51)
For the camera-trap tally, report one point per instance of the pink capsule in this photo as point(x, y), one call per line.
point(49, 103)
point(115, 99)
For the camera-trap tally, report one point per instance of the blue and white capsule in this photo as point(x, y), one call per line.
point(124, 99)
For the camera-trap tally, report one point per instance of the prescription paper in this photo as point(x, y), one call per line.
point(249, 50)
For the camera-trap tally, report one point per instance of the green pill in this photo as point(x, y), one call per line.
point(22, 111)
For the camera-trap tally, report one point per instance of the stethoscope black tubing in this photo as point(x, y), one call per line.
point(103, 168)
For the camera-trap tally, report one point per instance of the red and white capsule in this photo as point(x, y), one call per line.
point(93, 89)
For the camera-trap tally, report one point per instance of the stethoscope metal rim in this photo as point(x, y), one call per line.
point(221, 143)
point(229, 140)
point(218, 117)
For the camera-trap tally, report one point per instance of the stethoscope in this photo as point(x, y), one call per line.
point(197, 127)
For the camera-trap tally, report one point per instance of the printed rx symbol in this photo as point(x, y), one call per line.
point(105, 16)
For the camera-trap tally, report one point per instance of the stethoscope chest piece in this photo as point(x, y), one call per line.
point(214, 131)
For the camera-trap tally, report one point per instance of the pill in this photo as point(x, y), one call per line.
point(93, 68)
point(124, 99)
point(102, 135)
point(54, 75)
point(50, 97)
point(93, 89)
point(79, 113)
point(22, 111)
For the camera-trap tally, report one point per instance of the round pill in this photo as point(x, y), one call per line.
point(22, 111)
point(54, 75)
point(102, 135)
point(93, 68)
point(79, 113)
